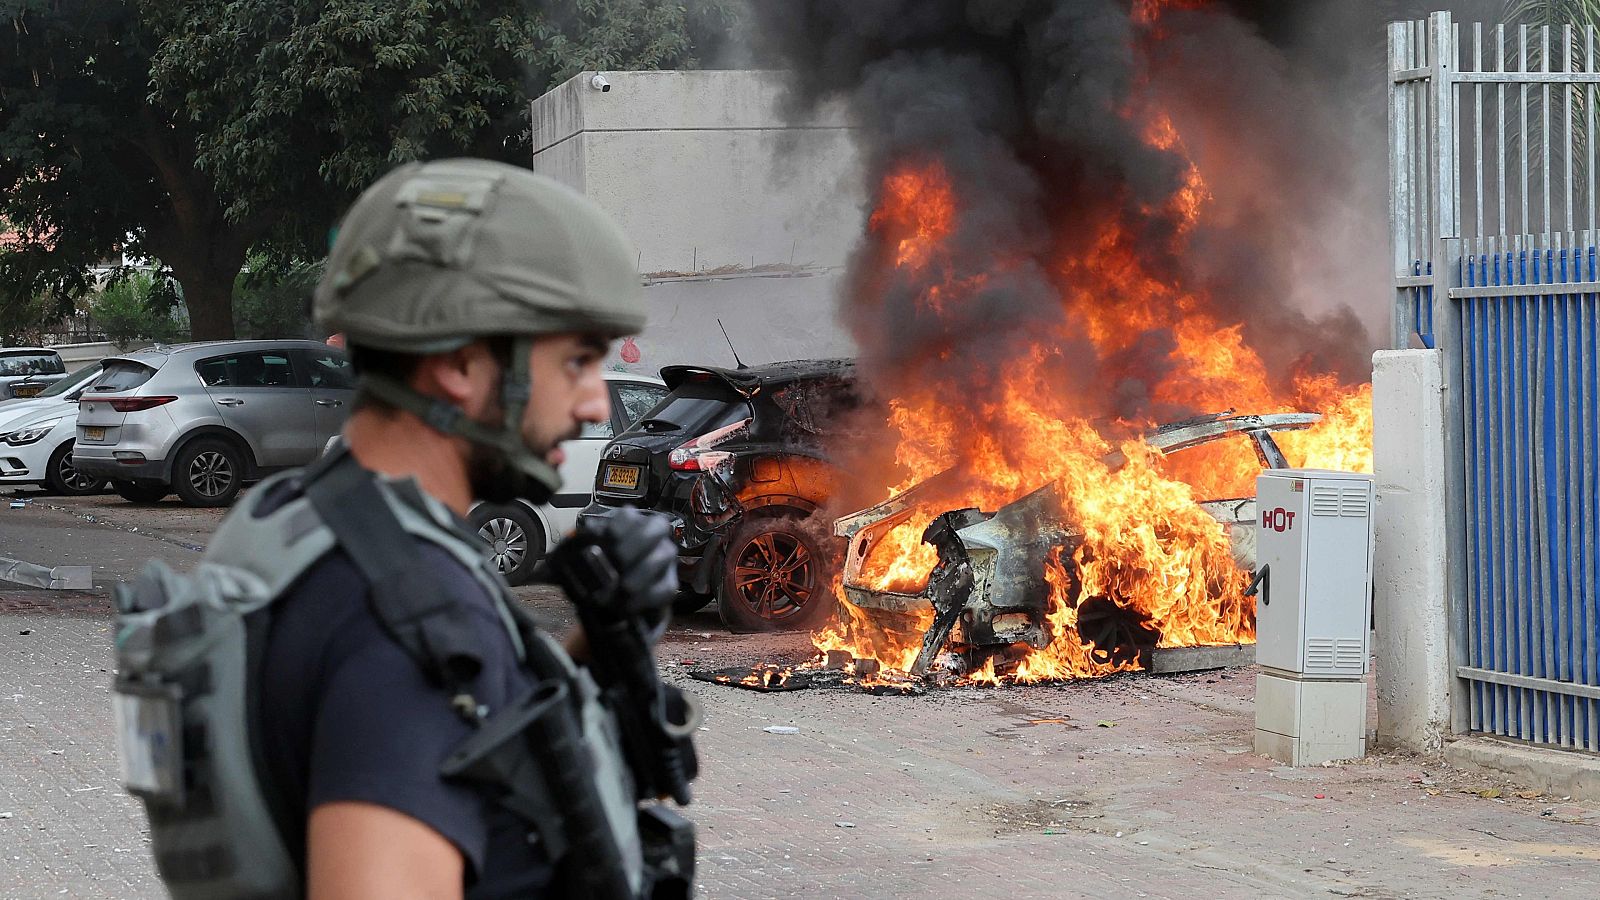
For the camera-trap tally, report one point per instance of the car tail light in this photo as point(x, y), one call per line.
point(685, 458)
point(136, 404)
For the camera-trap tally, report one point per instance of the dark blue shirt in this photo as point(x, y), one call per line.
point(346, 715)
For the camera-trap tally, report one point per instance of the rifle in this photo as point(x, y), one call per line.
point(657, 721)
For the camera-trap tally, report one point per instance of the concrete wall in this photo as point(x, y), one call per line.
point(795, 321)
point(704, 169)
point(1414, 679)
point(76, 356)
point(736, 211)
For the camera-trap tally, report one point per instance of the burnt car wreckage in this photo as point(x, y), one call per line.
point(740, 465)
point(988, 594)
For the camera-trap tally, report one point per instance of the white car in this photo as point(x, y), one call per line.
point(36, 438)
point(519, 534)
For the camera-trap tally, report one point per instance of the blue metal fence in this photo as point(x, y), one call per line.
point(1530, 420)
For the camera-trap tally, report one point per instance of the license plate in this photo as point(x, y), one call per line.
point(27, 390)
point(150, 741)
point(624, 477)
point(94, 433)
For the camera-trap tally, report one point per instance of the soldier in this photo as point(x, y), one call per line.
point(407, 731)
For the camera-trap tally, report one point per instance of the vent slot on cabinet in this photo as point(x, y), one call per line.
point(1319, 654)
point(1347, 655)
point(1353, 503)
point(1324, 501)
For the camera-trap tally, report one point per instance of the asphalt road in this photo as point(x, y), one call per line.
point(1133, 787)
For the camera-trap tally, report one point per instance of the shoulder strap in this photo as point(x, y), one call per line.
point(427, 622)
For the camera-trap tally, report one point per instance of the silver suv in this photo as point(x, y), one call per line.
point(27, 371)
point(202, 419)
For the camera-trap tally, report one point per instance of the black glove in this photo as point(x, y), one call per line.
point(637, 547)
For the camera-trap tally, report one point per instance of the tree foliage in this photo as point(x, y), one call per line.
point(199, 131)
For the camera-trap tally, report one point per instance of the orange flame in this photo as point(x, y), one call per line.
point(1146, 550)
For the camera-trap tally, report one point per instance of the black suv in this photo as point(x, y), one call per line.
point(736, 457)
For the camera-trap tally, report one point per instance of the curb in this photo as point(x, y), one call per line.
point(1560, 773)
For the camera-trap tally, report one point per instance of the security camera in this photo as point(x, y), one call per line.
point(599, 83)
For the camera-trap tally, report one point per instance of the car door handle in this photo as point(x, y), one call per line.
point(329, 402)
point(230, 401)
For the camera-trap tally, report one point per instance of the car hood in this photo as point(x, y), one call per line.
point(26, 412)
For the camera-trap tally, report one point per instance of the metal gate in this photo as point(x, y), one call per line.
point(1493, 164)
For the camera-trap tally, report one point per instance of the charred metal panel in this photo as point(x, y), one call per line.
point(1009, 551)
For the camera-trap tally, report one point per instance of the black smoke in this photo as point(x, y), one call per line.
point(1032, 107)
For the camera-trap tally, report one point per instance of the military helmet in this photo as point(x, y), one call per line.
point(436, 254)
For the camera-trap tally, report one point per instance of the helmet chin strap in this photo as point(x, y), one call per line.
point(539, 480)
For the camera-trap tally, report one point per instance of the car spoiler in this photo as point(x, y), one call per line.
point(746, 387)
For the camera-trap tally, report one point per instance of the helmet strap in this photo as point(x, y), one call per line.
point(515, 392)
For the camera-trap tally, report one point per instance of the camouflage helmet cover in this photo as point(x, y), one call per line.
point(436, 254)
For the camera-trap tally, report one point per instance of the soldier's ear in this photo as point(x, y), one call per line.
point(465, 377)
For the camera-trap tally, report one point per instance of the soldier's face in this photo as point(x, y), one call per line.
point(568, 391)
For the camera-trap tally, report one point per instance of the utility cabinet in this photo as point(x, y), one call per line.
point(1313, 613)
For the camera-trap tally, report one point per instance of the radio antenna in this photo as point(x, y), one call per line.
point(739, 362)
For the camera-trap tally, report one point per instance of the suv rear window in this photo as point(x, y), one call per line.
point(121, 375)
point(31, 364)
point(694, 407)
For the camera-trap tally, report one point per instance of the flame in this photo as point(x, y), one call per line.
point(1147, 565)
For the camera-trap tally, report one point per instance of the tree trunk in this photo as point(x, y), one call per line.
point(203, 248)
point(208, 295)
point(205, 263)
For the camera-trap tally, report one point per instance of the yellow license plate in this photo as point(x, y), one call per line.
point(625, 477)
point(27, 390)
point(94, 433)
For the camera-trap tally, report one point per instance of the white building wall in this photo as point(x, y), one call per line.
point(709, 177)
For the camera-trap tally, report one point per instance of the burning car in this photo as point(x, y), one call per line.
point(1000, 587)
point(737, 458)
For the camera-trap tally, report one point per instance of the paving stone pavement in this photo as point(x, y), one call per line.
point(971, 791)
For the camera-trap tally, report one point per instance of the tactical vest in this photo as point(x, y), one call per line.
point(189, 652)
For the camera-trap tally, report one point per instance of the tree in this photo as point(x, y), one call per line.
point(197, 131)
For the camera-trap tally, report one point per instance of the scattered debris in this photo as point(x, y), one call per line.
point(845, 824)
point(26, 631)
point(1106, 723)
point(781, 729)
point(763, 678)
point(58, 578)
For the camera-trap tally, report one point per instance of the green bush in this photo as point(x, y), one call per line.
point(274, 301)
point(139, 307)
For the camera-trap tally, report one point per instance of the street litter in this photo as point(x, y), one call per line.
point(57, 578)
point(19, 504)
point(781, 729)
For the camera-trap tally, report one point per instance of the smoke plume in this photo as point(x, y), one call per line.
point(1076, 140)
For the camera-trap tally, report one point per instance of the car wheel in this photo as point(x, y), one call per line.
point(141, 491)
point(209, 472)
point(514, 537)
point(776, 576)
point(63, 477)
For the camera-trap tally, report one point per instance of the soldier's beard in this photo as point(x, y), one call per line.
point(494, 479)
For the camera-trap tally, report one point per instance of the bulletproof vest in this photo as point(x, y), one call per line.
point(189, 651)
